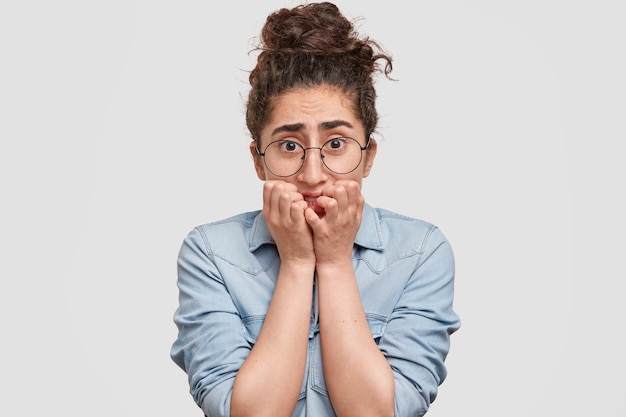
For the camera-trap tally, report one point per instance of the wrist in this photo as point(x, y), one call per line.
point(334, 267)
point(298, 267)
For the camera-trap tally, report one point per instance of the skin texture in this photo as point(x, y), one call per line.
point(314, 217)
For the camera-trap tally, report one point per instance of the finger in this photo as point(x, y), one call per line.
point(355, 200)
point(272, 198)
point(334, 199)
point(297, 210)
point(268, 188)
point(352, 190)
point(341, 195)
point(286, 200)
point(329, 204)
point(311, 217)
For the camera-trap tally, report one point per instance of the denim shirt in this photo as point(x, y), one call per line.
point(227, 271)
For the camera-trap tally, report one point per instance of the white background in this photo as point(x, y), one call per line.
point(121, 127)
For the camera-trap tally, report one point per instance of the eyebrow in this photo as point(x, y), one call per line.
point(297, 127)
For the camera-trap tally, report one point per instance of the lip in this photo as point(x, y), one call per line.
point(309, 195)
point(311, 200)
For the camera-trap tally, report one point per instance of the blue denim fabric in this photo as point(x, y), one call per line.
point(226, 276)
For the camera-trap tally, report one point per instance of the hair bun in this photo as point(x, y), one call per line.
point(317, 28)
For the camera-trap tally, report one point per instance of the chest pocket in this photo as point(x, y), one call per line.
point(377, 324)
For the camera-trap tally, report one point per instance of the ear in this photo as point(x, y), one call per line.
point(370, 155)
point(259, 166)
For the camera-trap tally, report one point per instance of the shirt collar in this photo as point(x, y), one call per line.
point(368, 236)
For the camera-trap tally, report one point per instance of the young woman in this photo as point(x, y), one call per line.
point(319, 304)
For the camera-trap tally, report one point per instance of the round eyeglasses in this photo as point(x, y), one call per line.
point(340, 155)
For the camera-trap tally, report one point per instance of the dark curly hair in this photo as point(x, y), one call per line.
point(311, 45)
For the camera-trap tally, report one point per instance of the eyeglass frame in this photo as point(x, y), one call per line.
point(362, 148)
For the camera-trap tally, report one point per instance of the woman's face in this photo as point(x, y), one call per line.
point(311, 117)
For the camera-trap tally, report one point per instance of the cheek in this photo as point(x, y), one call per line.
point(367, 166)
point(356, 176)
point(259, 167)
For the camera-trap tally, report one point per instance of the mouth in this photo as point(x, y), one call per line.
point(311, 201)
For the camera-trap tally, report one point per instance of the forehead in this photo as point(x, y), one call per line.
point(312, 108)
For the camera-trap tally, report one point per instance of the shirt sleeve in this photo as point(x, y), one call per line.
point(417, 337)
point(211, 345)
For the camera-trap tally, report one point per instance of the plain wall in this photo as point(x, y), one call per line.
point(122, 127)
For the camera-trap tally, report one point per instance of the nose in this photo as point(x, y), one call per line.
point(313, 170)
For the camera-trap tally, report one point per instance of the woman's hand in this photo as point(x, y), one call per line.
point(283, 209)
point(334, 233)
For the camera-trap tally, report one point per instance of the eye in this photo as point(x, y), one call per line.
point(336, 144)
point(289, 146)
